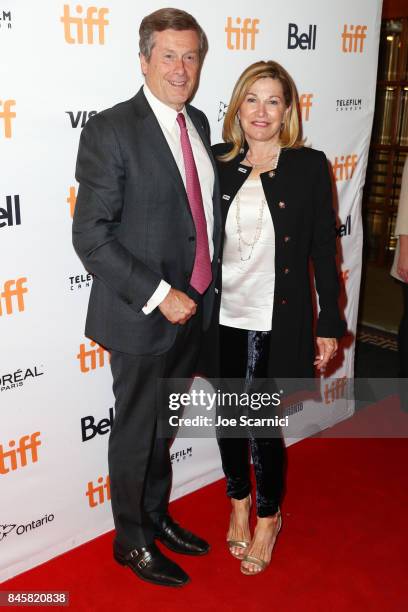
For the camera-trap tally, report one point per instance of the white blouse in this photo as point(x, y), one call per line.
point(248, 286)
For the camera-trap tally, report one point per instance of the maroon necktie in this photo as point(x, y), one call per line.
point(202, 275)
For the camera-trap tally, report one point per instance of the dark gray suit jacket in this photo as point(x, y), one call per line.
point(133, 225)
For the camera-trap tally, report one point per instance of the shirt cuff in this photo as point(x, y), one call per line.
point(157, 297)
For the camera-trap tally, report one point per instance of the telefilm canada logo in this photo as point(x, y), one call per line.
point(18, 378)
point(5, 20)
point(11, 214)
point(80, 281)
point(181, 455)
point(344, 105)
point(24, 528)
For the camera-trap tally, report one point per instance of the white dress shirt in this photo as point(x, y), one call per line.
point(248, 286)
point(167, 118)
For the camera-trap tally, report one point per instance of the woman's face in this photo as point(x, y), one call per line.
point(263, 110)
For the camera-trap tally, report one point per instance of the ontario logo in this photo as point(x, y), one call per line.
point(25, 528)
point(5, 530)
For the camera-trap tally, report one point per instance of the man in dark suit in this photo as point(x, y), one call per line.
point(147, 225)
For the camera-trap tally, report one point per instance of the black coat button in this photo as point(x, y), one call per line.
point(286, 238)
point(191, 238)
point(286, 271)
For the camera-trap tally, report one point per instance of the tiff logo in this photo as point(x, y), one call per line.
point(335, 391)
point(100, 493)
point(304, 41)
point(13, 289)
point(91, 359)
point(5, 17)
point(7, 115)
point(15, 458)
point(241, 34)
point(351, 37)
point(305, 104)
point(344, 166)
point(74, 26)
point(71, 199)
point(11, 213)
point(80, 118)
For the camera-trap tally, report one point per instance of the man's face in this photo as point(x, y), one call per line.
point(172, 71)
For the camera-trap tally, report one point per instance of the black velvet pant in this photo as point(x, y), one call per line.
point(244, 355)
point(403, 335)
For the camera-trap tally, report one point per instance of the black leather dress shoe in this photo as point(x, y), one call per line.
point(178, 539)
point(149, 564)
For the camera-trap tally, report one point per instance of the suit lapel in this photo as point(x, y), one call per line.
point(155, 140)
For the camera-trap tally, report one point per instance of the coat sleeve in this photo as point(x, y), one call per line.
point(101, 174)
point(323, 252)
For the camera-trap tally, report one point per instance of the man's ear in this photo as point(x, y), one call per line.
point(143, 63)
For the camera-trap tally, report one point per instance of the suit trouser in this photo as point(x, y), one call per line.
point(139, 461)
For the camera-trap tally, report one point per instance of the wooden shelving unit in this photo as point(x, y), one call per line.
point(389, 143)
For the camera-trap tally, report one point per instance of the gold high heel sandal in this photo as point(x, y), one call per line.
point(260, 562)
point(240, 543)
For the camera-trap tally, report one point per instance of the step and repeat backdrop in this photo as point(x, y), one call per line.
point(62, 62)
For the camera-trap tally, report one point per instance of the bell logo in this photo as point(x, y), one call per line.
point(305, 103)
point(335, 390)
point(7, 115)
point(12, 289)
point(71, 199)
point(11, 213)
point(304, 41)
point(351, 37)
point(241, 34)
point(100, 493)
point(94, 357)
point(344, 166)
point(14, 458)
point(95, 18)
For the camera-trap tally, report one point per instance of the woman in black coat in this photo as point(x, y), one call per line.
point(277, 215)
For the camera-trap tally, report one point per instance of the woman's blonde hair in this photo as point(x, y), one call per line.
point(291, 134)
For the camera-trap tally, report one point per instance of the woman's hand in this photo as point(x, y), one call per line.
point(327, 349)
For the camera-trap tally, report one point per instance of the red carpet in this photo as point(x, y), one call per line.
point(342, 546)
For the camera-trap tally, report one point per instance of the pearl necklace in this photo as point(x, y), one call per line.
point(275, 157)
point(259, 221)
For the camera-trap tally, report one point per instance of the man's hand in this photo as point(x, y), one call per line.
point(327, 350)
point(177, 307)
point(402, 264)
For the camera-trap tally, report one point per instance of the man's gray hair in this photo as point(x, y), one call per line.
point(169, 19)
